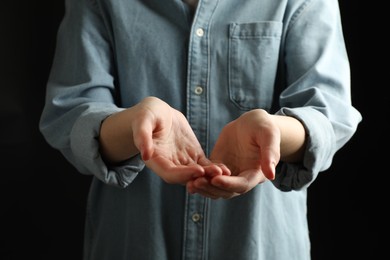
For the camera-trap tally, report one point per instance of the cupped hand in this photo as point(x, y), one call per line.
point(250, 147)
point(168, 145)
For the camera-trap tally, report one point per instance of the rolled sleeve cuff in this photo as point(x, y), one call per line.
point(87, 158)
point(319, 152)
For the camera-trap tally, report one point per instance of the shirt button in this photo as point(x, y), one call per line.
point(199, 32)
point(196, 217)
point(198, 90)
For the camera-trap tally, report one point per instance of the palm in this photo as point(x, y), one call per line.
point(168, 145)
point(248, 145)
point(175, 143)
point(236, 150)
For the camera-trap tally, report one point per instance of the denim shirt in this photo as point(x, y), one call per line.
point(287, 57)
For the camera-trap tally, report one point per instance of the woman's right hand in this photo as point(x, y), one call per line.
point(163, 137)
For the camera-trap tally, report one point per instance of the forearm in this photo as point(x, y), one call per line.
point(292, 144)
point(116, 137)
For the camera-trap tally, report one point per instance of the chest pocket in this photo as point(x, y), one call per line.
point(253, 58)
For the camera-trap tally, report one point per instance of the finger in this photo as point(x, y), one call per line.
point(213, 169)
point(269, 154)
point(225, 169)
point(192, 190)
point(142, 135)
point(172, 173)
point(241, 183)
point(268, 169)
point(205, 188)
point(269, 160)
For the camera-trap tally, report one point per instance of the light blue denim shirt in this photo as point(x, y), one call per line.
point(230, 56)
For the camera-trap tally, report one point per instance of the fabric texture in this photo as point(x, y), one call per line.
point(287, 57)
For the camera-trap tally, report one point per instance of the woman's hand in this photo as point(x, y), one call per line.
point(251, 147)
point(168, 145)
point(163, 137)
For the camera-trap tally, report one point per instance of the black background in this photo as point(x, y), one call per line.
point(43, 198)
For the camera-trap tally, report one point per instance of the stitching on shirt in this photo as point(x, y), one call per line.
point(299, 13)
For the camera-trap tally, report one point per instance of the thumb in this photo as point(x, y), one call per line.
point(268, 162)
point(268, 170)
point(142, 136)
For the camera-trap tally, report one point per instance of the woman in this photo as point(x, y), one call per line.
point(203, 123)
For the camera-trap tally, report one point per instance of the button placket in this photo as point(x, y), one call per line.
point(200, 32)
point(196, 217)
point(195, 244)
point(198, 90)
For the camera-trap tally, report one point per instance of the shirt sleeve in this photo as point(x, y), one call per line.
point(81, 93)
point(317, 72)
